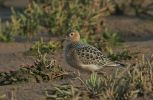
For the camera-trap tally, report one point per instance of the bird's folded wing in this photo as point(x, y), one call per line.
point(90, 55)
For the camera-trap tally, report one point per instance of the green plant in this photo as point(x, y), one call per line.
point(44, 47)
point(122, 55)
point(46, 69)
point(5, 29)
point(64, 92)
point(141, 81)
point(115, 86)
point(26, 23)
point(111, 39)
point(133, 7)
point(94, 84)
point(131, 83)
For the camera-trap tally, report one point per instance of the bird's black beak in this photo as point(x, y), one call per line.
point(64, 38)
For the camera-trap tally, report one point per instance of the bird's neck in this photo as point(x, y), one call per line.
point(75, 42)
point(72, 42)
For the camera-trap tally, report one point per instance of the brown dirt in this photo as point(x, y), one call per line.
point(12, 55)
point(131, 28)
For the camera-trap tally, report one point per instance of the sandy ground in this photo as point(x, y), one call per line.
point(131, 28)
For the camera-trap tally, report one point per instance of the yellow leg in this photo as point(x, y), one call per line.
point(78, 73)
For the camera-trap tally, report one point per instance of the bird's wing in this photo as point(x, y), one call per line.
point(90, 55)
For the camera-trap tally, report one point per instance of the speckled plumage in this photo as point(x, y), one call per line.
point(83, 56)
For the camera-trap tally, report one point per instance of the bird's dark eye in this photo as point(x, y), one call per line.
point(71, 34)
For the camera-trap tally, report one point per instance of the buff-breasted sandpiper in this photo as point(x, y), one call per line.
point(84, 56)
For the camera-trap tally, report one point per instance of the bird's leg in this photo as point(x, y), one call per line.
point(101, 72)
point(78, 73)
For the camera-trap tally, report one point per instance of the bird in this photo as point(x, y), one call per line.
point(83, 56)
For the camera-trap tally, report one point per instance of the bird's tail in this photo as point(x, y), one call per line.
point(115, 64)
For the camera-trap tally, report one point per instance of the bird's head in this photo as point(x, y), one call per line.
point(73, 36)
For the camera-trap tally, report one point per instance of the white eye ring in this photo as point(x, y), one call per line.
point(71, 34)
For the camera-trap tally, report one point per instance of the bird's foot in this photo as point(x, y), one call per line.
point(76, 74)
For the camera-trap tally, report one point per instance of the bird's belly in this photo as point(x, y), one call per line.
point(73, 63)
point(90, 67)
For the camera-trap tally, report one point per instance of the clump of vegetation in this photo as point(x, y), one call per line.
point(94, 84)
point(43, 69)
point(122, 55)
point(90, 89)
point(64, 92)
point(140, 79)
point(26, 23)
point(44, 47)
point(134, 7)
point(5, 34)
point(22, 24)
point(131, 83)
point(110, 40)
